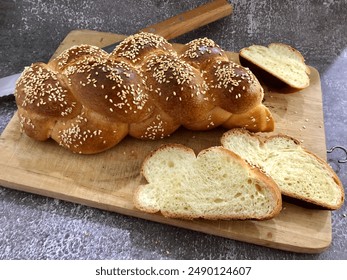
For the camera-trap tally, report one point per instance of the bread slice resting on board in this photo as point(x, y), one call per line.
point(299, 173)
point(215, 184)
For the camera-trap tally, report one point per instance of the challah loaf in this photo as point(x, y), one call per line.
point(88, 100)
point(299, 173)
point(278, 64)
point(216, 184)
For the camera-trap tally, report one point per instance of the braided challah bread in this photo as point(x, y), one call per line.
point(88, 100)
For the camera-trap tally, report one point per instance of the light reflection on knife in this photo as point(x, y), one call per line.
point(8, 84)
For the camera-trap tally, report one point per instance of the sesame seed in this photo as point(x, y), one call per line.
point(132, 47)
point(199, 47)
point(75, 136)
point(228, 76)
point(41, 88)
point(82, 51)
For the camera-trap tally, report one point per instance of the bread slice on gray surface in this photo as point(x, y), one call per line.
point(215, 184)
point(281, 61)
point(299, 173)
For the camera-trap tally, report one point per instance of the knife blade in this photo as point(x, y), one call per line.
point(169, 29)
point(8, 84)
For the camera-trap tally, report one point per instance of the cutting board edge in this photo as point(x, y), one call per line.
point(320, 244)
point(34, 187)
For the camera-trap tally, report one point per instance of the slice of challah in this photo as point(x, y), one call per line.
point(216, 184)
point(299, 173)
point(275, 63)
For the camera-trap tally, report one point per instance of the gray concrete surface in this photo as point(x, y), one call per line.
point(36, 227)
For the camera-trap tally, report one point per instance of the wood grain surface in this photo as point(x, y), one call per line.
point(107, 180)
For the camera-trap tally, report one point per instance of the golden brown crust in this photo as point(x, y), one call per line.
point(45, 92)
point(235, 88)
point(177, 88)
point(201, 52)
point(143, 87)
point(157, 126)
point(87, 132)
point(137, 48)
point(216, 117)
point(256, 119)
point(65, 62)
point(34, 125)
point(113, 89)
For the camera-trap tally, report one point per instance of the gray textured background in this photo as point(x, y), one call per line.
point(35, 227)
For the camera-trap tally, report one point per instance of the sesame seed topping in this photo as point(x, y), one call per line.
point(132, 47)
point(125, 88)
point(163, 64)
point(76, 52)
point(40, 87)
point(25, 121)
point(75, 135)
point(155, 130)
point(199, 47)
point(230, 76)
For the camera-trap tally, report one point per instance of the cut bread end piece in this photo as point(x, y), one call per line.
point(278, 65)
point(299, 173)
point(216, 184)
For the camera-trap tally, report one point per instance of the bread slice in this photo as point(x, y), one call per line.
point(277, 62)
point(216, 184)
point(299, 173)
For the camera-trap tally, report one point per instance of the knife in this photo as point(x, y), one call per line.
point(169, 29)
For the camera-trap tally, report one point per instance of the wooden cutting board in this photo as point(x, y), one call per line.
point(107, 180)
